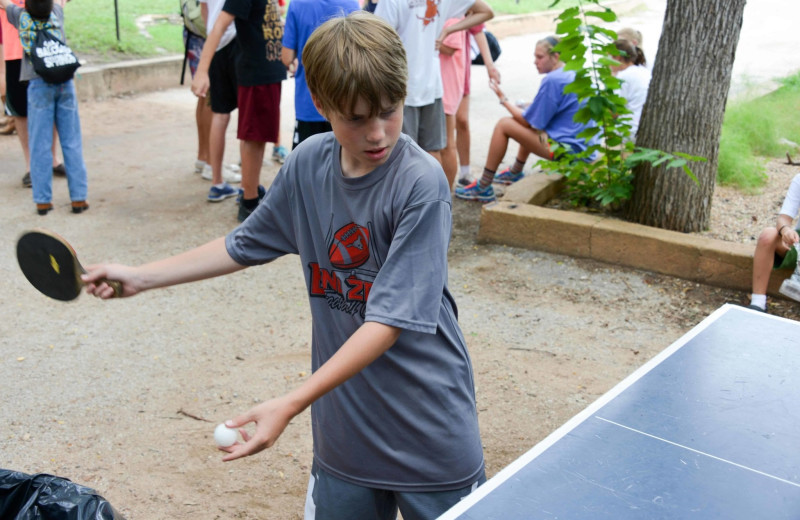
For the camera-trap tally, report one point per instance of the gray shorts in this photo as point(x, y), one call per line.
point(426, 126)
point(330, 498)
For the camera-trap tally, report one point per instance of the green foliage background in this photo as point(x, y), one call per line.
point(91, 28)
point(753, 130)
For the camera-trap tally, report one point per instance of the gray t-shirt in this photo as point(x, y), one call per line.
point(374, 248)
point(26, 72)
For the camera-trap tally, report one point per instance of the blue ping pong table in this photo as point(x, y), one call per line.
point(709, 428)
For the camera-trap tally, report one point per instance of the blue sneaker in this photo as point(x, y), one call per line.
point(474, 192)
point(279, 154)
point(507, 177)
point(225, 191)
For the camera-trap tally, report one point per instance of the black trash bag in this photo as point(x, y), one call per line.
point(47, 497)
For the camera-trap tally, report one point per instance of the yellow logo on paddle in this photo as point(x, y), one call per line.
point(54, 264)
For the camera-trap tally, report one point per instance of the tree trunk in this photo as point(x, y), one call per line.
point(684, 111)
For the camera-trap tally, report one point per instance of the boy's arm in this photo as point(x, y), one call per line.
point(206, 261)
point(200, 82)
point(4, 3)
point(479, 13)
point(271, 417)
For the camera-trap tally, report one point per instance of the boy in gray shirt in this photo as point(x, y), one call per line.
point(392, 395)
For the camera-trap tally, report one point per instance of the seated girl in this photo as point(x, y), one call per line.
point(635, 78)
point(549, 117)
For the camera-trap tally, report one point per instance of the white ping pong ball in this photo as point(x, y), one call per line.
point(225, 436)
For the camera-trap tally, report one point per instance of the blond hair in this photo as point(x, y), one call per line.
point(548, 43)
point(359, 56)
point(632, 35)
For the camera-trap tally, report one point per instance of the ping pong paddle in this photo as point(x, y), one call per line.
point(51, 265)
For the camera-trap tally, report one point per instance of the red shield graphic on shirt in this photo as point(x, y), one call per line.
point(349, 247)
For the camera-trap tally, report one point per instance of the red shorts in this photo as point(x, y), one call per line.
point(259, 113)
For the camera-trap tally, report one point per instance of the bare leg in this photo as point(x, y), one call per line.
point(436, 154)
point(462, 131)
point(252, 156)
point(449, 154)
point(769, 243)
point(216, 144)
point(203, 117)
point(529, 140)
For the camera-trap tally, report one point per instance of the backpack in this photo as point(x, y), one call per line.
point(494, 49)
point(52, 60)
point(192, 17)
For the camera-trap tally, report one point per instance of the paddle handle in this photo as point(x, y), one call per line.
point(117, 286)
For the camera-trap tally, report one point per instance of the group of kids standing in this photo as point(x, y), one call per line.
point(240, 62)
point(367, 208)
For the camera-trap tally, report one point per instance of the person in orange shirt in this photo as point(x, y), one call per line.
point(16, 99)
point(6, 123)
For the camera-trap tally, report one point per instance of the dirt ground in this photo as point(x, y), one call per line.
point(123, 396)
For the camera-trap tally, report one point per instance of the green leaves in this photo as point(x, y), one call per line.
point(607, 16)
point(669, 160)
point(589, 51)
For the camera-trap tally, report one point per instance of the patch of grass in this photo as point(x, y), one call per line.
point(91, 28)
point(527, 6)
point(757, 128)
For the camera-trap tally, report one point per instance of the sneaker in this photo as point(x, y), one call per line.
point(474, 192)
point(227, 174)
point(261, 193)
point(231, 175)
point(464, 181)
point(279, 154)
point(26, 180)
point(199, 166)
point(217, 194)
point(44, 208)
point(756, 308)
point(507, 177)
point(245, 212)
point(791, 286)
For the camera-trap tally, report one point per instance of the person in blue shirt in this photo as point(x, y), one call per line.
point(302, 18)
point(548, 118)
